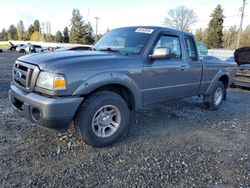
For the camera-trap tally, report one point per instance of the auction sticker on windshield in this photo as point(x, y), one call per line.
point(144, 30)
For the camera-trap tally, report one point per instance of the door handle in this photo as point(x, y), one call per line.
point(183, 67)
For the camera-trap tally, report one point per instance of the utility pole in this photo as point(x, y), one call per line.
point(96, 27)
point(241, 21)
point(42, 32)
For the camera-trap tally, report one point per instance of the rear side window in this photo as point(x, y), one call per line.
point(191, 48)
point(172, 43)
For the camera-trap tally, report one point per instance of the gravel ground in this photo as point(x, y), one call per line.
point(173, 144)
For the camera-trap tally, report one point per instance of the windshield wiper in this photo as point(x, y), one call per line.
point(109, 50)
point(92, 49)
point(117, 51)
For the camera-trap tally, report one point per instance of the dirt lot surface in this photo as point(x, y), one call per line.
point(172, 144)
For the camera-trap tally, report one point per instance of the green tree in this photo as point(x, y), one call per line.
point(66, 35)
point(77, 31)
point(181, 18)
point(20, 30)
point(30, 31)
point(4, 35)
point(36, 25)
point(35, 36)
point(215, 28)
point(89, 38)
point(58, 37)
point(12, 33)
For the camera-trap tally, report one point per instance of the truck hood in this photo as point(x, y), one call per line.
point(242, 56)
point(56, 60)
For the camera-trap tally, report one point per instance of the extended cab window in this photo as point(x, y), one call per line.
point(191, 48)
point(173, 45)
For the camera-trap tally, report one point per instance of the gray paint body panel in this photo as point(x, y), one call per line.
point(148, 80)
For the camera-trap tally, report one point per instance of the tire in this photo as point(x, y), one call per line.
point(102, 119)
point(22, 51)
point(214, 100)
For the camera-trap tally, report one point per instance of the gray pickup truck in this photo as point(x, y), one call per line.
point(125, 70)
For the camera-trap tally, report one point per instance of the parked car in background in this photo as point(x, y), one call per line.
point(230, 59)
point(242, 58)
point(16, 46)
point(34, 49)
point(211, 58)
point(21, 48)
point(29, 48)
point(13, 47)
point(78, 48)
point(202, 48)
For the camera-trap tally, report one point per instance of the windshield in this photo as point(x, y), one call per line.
point(124, 40)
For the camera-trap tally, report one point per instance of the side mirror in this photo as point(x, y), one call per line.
point(161, 53)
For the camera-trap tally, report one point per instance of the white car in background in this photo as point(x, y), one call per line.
point(29, 48)
point(21, 49)
point(34, 48)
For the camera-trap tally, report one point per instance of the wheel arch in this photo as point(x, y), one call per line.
point(121, 90)
point(115, 82)
point(225, 80)
point(220, 76)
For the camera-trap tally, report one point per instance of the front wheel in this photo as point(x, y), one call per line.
point(102, 119)
point(215, 98)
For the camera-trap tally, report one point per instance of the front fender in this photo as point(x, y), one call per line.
point(108, 78)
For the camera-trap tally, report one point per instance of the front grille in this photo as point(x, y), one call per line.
point(25, 75)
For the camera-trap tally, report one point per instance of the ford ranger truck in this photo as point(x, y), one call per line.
point(98, 89)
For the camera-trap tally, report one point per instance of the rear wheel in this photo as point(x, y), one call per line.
point(216, 97)
point(102, 119)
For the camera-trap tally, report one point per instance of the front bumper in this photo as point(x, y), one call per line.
point(55, 113)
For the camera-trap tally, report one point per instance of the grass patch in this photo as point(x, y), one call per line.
point(5, 45)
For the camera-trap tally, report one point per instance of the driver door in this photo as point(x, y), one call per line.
point(169, 77)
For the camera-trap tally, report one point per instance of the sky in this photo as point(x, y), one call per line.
point(115, 13)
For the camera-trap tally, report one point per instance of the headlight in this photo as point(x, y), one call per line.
point(51, 81)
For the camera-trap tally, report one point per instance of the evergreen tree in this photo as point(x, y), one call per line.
point(20, 30)
point(215, 28)
point(89, 38)
point(36, 25)
point(4, 35)
point(12, 33)
point(66, 35)
point(31, 30)
point(58, 37)
point(77, 31)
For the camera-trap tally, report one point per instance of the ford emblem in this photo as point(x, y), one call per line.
point(18, 74)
